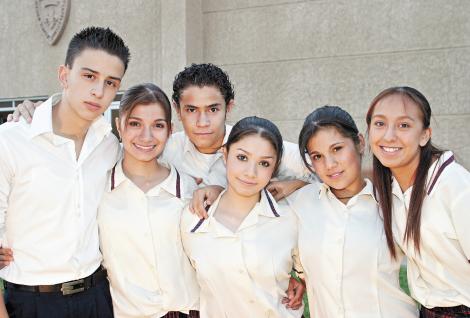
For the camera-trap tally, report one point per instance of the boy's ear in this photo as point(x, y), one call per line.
point(177, 110)
point(230, 106)
point(63, 73)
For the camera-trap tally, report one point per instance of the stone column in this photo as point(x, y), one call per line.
point(181, 38)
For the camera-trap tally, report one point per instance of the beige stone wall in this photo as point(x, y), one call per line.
point(288, 57)
point(285, 57)
point(29, 64)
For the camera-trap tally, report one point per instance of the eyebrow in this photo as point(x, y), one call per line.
point(331, 146)
point(96, 72)
point(208, 106)
point(401, 117)
point(140, 118)
point(337, 143)
point(249, 153)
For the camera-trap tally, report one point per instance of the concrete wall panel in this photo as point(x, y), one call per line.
point(226, 5)
point(334, 28)
point(289, 90)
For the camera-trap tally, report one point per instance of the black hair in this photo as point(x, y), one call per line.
point(99, 39)
point(201, 75)
point(144, 94)
point(382, 176)
point(322, 117)
point(258, 126)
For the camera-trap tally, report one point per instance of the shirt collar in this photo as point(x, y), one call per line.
point(266, 207)
point(170, 184)
point(431, 179)
point(436, 169)
point(42, 120)
point(368, 190)
point(188, 146)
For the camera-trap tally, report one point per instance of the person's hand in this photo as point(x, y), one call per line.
point(282, 189)
point(295, 292)
point(6, 256)
point(25, 110)
point(203, 198)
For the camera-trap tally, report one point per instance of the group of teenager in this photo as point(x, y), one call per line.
point(213, 220)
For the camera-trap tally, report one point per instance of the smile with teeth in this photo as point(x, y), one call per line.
point(390, 149)
point(145, 148)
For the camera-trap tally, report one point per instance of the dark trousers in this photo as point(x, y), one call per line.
point(445, 312)
point(94, 302)
point(176, 314)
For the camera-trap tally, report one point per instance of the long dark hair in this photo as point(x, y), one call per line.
point(258, 126)
point(382, 176)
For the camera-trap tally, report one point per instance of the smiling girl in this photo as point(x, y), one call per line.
point(424, 196)
point(244, 251)
point(347, 265)
point(139, 216)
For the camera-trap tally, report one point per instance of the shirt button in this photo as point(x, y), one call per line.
point(241, 271)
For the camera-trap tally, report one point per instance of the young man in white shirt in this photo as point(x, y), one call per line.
point(202, 97)
point(52, 176)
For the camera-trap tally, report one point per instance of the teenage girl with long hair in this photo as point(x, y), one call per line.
point(347, 264)
point(423, 194)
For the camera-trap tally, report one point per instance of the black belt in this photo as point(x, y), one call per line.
point(67, 288)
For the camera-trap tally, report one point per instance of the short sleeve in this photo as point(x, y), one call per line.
point(292, 165)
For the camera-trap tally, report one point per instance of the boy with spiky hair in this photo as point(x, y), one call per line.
point(52, 175)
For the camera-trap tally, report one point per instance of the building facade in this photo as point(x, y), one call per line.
point(285, 57)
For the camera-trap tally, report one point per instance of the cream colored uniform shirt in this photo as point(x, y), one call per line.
point(440, 275)
point(149, 272)
point(243, 274)
point(49, 198)
point(347, 265)
point(181, 153)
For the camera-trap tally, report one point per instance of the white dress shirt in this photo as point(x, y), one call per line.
point(140, 237)
point(49, 199)
point(181, 153)
point(440, 275)
point(343, 250)
point(245, 273)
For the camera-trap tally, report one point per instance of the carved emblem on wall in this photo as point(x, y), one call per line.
point(52, 16)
